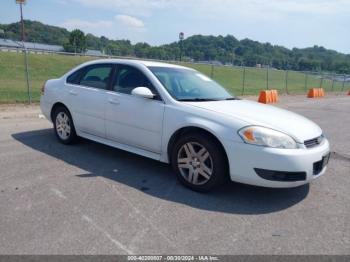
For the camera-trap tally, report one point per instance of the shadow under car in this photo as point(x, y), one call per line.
point(155, 178)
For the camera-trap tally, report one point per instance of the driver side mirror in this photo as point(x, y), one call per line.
point(144, 92)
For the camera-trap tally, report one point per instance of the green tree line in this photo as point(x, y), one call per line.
point(216, 49)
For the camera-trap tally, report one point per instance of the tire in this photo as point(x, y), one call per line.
point(199, 162)
point(64, 126)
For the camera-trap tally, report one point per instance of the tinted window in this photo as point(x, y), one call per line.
point(74, 78)
point(128, 78)
point(97, 76)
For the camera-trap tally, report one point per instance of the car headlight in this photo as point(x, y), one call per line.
point(262, 136)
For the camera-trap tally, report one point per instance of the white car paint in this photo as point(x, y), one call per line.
point(134, 121)
point(145, 126)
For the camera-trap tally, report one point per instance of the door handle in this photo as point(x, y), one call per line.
point(113, 101)
point(72, 92)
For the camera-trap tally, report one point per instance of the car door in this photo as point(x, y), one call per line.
point(132, 120)
point(87, 96)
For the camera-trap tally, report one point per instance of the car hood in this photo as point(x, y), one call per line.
point(297, 126)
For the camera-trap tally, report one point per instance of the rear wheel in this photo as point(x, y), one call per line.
point(63, 125)
point(199, 162)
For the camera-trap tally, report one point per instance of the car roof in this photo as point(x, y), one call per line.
point(137, 62)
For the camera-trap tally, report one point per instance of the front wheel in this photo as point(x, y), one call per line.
point(63, 125)
point(200, 162)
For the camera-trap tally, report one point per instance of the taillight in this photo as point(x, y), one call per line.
point(43, 89)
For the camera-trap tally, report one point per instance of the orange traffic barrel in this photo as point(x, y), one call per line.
point(268, 96)
point(316, 92)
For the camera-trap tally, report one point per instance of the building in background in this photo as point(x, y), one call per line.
point(7, 44)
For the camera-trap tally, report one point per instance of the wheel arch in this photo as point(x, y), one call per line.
point(193, 129)
point(56, 105)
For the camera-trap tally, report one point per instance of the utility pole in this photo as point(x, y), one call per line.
point(22, 23)
point(21, 3)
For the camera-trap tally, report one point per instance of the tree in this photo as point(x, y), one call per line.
point(77, 42)
point(342, 67)
point(226, 49)
point(141, 49)
point(304, 64)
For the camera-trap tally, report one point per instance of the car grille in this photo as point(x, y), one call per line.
point(313, 142)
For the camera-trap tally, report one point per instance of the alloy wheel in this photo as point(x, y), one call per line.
point(195, 163)
point(63, 126)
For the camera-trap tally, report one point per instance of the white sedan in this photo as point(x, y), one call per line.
point(179, 116)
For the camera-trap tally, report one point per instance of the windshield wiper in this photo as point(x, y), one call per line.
point(197, 99)
point(206, 99)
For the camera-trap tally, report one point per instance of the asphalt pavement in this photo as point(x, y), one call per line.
point(93, 199)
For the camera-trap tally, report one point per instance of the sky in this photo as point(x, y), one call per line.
point(290, 23)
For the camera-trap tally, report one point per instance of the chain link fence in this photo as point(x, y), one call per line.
point(239, 80)
point(251, 80)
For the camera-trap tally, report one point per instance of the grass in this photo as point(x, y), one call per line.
point(255, 80)
point(13, 86)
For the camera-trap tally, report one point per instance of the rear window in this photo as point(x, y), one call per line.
point(96, 76)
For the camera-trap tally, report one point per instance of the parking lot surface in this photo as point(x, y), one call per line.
point(93, 199)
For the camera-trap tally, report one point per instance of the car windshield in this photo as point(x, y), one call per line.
point(190, 85)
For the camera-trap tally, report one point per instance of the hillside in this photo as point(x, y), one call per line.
point(37, 32)
point(223, 49)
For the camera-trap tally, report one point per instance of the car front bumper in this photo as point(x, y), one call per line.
point(277, 166)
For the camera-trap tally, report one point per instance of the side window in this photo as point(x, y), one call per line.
point(97, 76)
point(127, 78)
point(74, 77)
